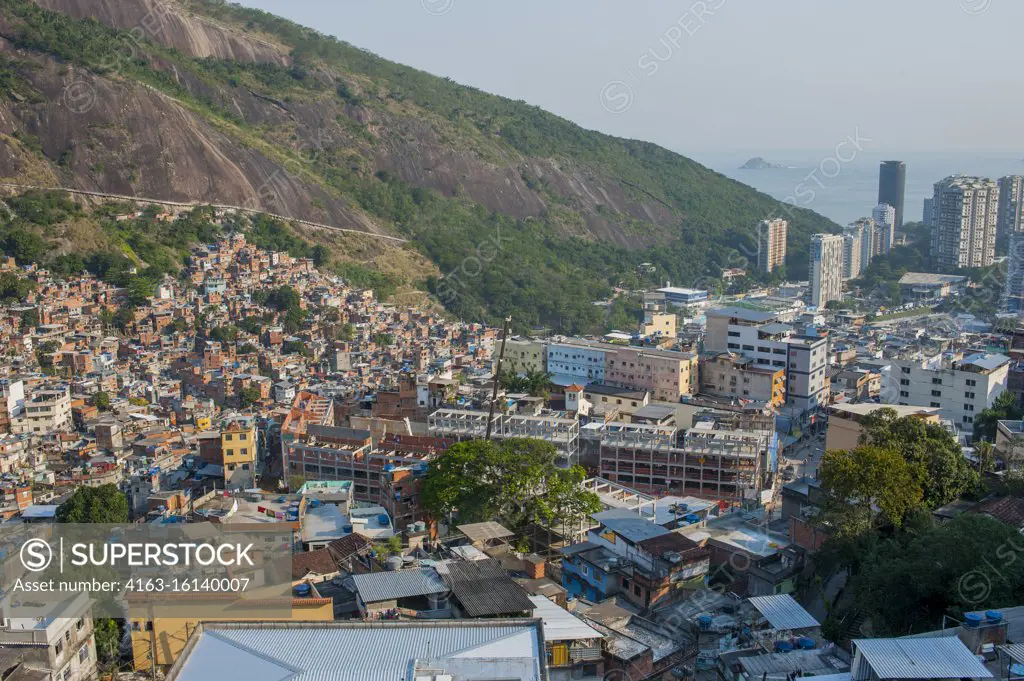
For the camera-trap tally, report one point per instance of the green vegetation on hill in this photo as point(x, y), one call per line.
point(548, 269)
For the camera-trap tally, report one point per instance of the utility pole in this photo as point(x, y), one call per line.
point(497, 375)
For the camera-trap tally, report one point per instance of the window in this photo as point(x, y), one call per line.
point(734, 334)
point(241, 436)
point(81, 623)
point(636, 590)
point(936, 405)
point(748, 347)
point(968, 407)
point(969, 395)
point(585, 570)
point(905, 370)
point(904, 381)
point(244, 451)
point(734, 346)
point(904, 393)
point(83, 653)
point(936, 381)
point(936, 393)
point(227, 437)
point(971, 382)
point(58, 648)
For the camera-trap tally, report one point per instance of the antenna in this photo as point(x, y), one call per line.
point(497, 375)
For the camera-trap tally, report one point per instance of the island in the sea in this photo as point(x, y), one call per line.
point(758, 163)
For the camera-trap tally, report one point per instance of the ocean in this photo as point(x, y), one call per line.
point(844, 192)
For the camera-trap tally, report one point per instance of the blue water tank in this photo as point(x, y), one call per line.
point(691, 518)
point(783, 647)
point(993, 616)
point(705, 622)
point(972, 620)
point(302, 590)
point(388, 467)
point(805, 643)
point(347, 529)
point(383, 519)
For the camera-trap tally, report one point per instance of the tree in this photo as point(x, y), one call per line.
point(866, 485)
point(140, 290)
point(385, 339)
point(1004, 408)
point(515, 480)
point(30, 318)
point(937, 463)
point(108, 639)
point(249, 396)
point(103, 504)
point(906, 584)
point(101, 401)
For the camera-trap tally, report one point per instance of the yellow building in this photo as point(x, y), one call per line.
point(238, 449)
point(524, 356)
point(168, 635)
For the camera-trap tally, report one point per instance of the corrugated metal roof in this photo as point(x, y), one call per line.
point(560, 624)
point(483, 588)
point(485, 531)
point(1014, 651)
point(919, 658)
point(783, 612)
point(387, 586)
point(360, 652)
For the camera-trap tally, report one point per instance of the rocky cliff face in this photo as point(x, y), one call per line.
point(117, 135)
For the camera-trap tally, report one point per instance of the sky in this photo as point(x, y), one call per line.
point(751, 76)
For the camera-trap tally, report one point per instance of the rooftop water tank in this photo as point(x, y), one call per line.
point(302, 590)
point(383, 519)
point(394, 563)
point(705, 622)
point(783, 646)
point(805, 643)
point(347, 529)
point(972, 620)
point(993, 616)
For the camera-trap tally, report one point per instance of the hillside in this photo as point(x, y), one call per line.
point(209, 102)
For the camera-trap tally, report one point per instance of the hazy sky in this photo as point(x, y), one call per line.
point(723, 75)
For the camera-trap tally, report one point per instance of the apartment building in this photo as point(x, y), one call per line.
point(729, 374)
point(238, 446)
point(826, 268)
point(666, 374)
point(1011, 206)
point(959, 386)
point(523, 356)
point(966, 212)
point(771, 244)
point(57, 645)
point(853, 240)
point(46, 410)
point(761, 337)
point(884, 217)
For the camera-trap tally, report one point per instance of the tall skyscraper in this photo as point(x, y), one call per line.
point(1013, 292)
point(826, 268)
point(892, 180)
point(852, 266)
point(1011, 205)
point(966, 211)
point(859, 246)
point(926, 214)
point(771, 244)
point(884, 216)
